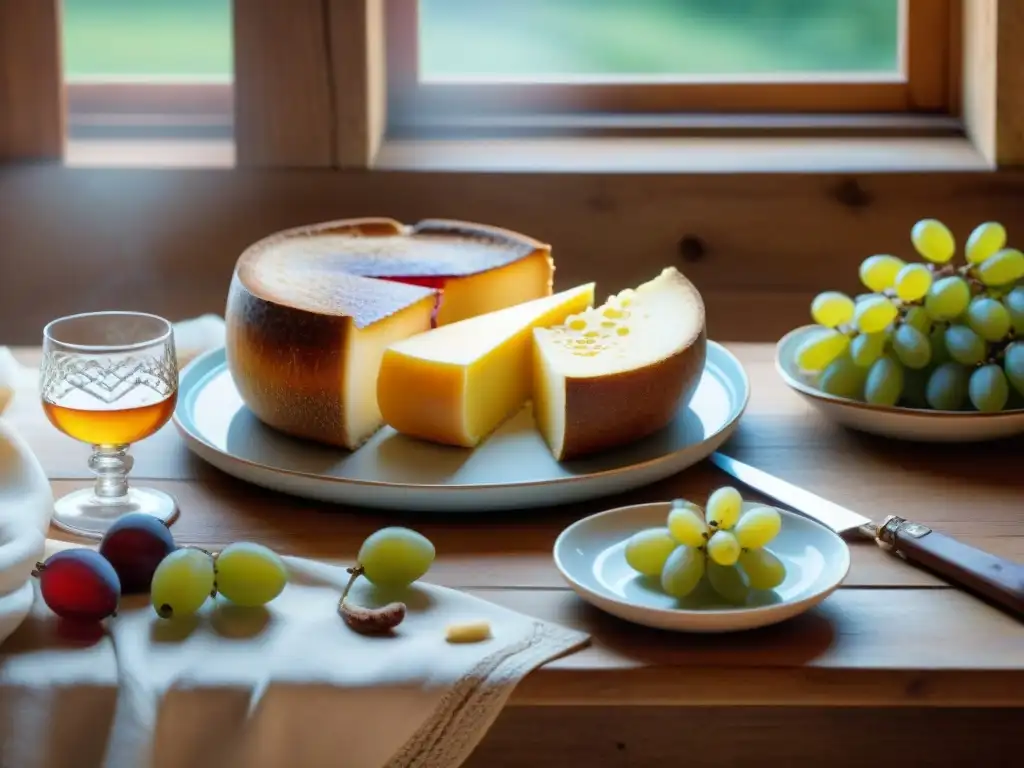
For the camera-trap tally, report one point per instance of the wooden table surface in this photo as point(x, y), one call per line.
point(891, 636)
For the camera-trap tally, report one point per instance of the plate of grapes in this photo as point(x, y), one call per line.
point(932, 352)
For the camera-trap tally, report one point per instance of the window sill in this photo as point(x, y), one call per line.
point(683, 155)
point(655, 156)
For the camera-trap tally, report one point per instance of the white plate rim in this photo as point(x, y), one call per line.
point(895, 410)
point(199, 445)
point(595, 598)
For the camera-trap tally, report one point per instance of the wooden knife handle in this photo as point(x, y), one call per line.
point(995, 578)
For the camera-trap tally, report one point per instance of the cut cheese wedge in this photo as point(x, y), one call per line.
point(456, 384)
point(621, 371)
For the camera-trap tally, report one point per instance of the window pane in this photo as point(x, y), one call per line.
point(164, 39)
point(545, 39)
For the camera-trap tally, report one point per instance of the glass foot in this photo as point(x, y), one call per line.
point(84, 514)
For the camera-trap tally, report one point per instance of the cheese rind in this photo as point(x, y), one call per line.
point(308, 319)
point(621, 371)
point(456, 384)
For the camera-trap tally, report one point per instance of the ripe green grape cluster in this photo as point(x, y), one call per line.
point(931, 334)
point(245, 573)
point(724, 544)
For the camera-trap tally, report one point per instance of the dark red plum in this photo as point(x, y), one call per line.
point(135, 544)
point(79, 584)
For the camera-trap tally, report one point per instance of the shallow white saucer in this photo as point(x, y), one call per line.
point(919, 424)
point(590, 554)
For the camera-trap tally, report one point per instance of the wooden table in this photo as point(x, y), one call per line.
point(894, 666)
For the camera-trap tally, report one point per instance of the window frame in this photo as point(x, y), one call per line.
point(929, 83)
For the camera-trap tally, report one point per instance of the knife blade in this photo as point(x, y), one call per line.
point(998, 580)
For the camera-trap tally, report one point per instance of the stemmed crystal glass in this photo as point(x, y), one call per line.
point(109, 379)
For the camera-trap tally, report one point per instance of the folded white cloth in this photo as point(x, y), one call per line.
point(26, 505)
point(293, 685)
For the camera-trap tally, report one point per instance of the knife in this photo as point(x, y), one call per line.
point(999, 580)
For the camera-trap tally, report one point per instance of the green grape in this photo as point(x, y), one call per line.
point(1001, 269)
point(820, 349)
point(843, 378)
point(832, 308)
point(911, 347)
point(947, 387)
point(866, 348)
point(989, 318)
point(758, 526)
point(723, 547)
point(964, 345)
point(872, 315)
point(918, 317)
point(1014, 303)
point(395, 557)
point(1013, 365)
point(250, 574)
point(647, 550)
point(878, 273)
point(937, 340)
point(763, 569)
point(728, 582)
point(724, 506)
point(988, 388)
point(933, 240)
point(947, 298)
point(985, 240)
point(683, 571)
point(914, 385)
point(686, 523)
point(885, 382)
point(913, 282)
point(182, 582)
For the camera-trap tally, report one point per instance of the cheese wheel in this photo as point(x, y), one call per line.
point(311, 310)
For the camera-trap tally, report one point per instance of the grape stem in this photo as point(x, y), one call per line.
point(355, 572)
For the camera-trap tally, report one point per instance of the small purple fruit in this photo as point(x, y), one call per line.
point(135, 544)
point(79, 584)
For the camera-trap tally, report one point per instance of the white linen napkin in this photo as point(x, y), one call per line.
point(293, 685)
point(26, 505)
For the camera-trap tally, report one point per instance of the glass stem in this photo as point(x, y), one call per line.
point(111, 465)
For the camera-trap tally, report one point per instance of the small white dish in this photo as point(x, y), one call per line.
point(591, 556)
point(917, 424)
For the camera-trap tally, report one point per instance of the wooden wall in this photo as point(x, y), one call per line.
point(758, 246)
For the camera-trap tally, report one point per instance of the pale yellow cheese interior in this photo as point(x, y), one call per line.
point(363, 354)
point(456, 384)
point(633, 330)
point(472, 295)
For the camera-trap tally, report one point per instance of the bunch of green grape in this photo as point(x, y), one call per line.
point(932, 334)
point(725, 545)
point(245, 573)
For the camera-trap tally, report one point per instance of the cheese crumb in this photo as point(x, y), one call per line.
point(468, 632)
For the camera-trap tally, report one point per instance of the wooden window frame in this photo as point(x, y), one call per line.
point(929, 82)
point(759, 239)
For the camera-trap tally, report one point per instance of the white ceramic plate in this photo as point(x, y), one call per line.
point(513, 469)
point(591, 555)
point(921, 425)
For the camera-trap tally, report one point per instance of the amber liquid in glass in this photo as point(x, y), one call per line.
point(118, 426)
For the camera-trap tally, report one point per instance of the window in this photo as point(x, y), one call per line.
point(450, 59)
point(148, 68)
